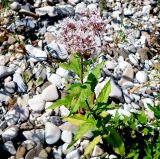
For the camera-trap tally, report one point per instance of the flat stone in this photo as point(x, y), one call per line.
point(4, 59)
point(143, 54)
point(133, 59)
point(97, 151)
point(54, 78)
point(36, 104)
point(10, 86)
point(50, 93)
point(52, 133)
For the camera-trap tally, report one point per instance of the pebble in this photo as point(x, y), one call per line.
point(50, 93)
point(73, 154)
point(47, 10)
point(10, 86)
point(12, 116)
point(20, 83)
point(36, 103)
point(147, 101)
point(43, 154)
point(52, 133)
point(36, 135)
point(10, 133)
point(5, 71)
point(64, 111)
point(97, 151)
point(141, 76)
point(55, 79)
point(15, 6)
point(66, 136)
point(9, 146)
point(36, 53)
point(21, 151)
point(57, 51)
point(133, 59)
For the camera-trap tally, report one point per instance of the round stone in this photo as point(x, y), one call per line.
point(141, 76)
point(66, 136)
point(52, 133)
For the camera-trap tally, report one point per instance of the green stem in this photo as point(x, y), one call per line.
point(81, 58)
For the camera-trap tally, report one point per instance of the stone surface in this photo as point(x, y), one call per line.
point(66, 136)
point(36, 104)
point(50, 93)
point(10, 147)
point(20, 152)
point(141, 76)
point(10, 133)
point(52, 133)
point(5, 71)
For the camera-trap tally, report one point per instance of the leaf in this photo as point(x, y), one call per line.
point(142, 118)
point(73, 65)
point(115, 141)
point(76, 119)
point(94, 75)
point(92, 144)
point(156, 111)
point(39, 81)
point(83, 129)
point(104, 94)
point(63, 101)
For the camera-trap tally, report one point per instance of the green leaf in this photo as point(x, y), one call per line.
point(142, 118)
point(77, 119)
point(156, 111)
point(83, 129)
point(115, 141)
point(131, 154)
point(92, 144)
point(92, 78)
point(63, 101)
point(39, 81)
point(73, 65)
point(104, 94)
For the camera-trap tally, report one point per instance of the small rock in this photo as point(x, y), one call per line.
point(97, 151)
point(4, 59)
point(36, 135)
point(20, 152)
point(19, 82)
point(36, 104)
point(110, 65)
point(15, 6)
point(69, 127)
point(12, 116)
point(57, 51)
point(133, 59)
point(64, 111)
point(36, 53)
point(5, 71)
point(10, 86)
point(143, 54)
point(24, 113)
point(147, 101)
point(50, 93)
point(10, 147)
point(4, 98)
point(66, 136)
point(73, 154)
point(52, 133)
point(80, 7)
point(43, 154)
point(47, 10)
point(146, 9)
point(141, 76)
point(10, 133)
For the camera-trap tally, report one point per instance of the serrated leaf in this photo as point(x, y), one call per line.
point(73, 65)
point(104, 94)
point(83, 129)
point(92, 144)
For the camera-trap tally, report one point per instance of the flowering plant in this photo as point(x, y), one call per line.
point(79, 35)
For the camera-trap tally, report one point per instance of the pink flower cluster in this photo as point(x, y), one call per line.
point(79, 35)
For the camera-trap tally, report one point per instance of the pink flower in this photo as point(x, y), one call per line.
point(79, 35)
